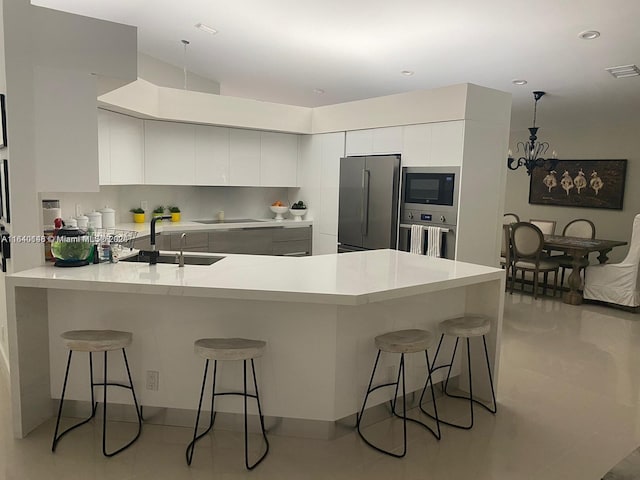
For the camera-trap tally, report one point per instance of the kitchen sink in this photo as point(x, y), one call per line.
point(221, 222)
point(173, 259)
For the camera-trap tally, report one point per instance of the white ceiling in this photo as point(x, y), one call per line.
point(281, 50)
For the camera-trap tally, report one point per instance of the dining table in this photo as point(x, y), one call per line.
point(578, 248)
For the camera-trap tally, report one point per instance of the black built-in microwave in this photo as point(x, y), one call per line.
point(430, 186)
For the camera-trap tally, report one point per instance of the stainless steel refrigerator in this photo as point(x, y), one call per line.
point(368, 202)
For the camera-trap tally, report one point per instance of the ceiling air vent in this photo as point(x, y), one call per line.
point(624, 71)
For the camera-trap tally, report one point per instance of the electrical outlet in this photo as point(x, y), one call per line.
point(144, 205)
point(153, 379)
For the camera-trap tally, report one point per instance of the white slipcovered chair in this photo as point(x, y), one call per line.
point(617, 282)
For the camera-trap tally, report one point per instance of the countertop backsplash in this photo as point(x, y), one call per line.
point(194, 202)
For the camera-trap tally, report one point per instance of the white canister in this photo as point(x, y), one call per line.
point(95, 219)
point(108, 217)
point(83, 221)
point(72, 222)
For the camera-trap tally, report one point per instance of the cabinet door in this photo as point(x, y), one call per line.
point(278, 159)
point(447, 144)
point(169, 153)
point(244, 157)
point(193, 241)
point(387, 140)
point(359, 142)
point(104, 149)
point(126, 143)
point(416, 145)
point(211, 155)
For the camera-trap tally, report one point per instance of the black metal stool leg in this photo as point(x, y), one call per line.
point(469, 398)
point(437, 434)
point(264, 433)
point(196, 437)
point(56, 437)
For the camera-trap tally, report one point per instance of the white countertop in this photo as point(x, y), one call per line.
point(168, 226)
point(339, 279)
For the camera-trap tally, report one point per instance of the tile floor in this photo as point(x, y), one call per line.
point(569, 398)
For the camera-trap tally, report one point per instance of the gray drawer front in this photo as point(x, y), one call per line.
point(144, 242)
point(256, 241)
point(286, 234)
point(194, 242)
point(301, 247)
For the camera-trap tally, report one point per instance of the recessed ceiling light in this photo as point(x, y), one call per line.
point(206, 28)
point(318, 91)
point(519, 82)
point(407, 73)
point(589, 34)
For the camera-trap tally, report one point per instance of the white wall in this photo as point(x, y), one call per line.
point(592, 141)
point(194, 202)
point(167, 75)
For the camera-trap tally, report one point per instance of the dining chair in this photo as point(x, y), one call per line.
point(581, 228)
point(617, 283)
point(506, 253)
point(508, 218)
point(527, 241)
point(547, 227)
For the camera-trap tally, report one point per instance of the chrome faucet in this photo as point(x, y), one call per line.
point(183, 241)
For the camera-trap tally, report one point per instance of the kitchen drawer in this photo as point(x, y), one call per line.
point(292, 247)
point(255, 241)
point(194, 241)
point(286, 234)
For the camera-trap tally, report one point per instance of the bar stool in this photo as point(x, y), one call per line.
point(466, 327)
point(229, 349)
point(402, 341)
point(97, 341)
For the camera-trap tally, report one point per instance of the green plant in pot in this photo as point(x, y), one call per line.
point(175, 214)
point(158, 211)
point(138, 215)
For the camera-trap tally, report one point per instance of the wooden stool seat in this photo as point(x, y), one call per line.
point(229, 348)
point(96, 340)
point(405, 341)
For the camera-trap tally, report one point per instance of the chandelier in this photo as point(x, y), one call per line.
point(533, 151)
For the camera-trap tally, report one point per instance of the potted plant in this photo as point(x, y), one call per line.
point(298, 210)
point(175, 214)
point(158, 211)
point(138, 215)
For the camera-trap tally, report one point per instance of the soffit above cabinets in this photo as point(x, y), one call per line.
point(457, 102)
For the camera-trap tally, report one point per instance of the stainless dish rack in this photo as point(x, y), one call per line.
point(114, 236)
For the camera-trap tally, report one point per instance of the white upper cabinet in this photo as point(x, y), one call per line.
point(120, 149)
point(211, 155)
point(169, 153)
point(416, 148)
point(278, 159)
point(387, 140)
point(447, 143)
point(104, 149)
point(359, 142)
point(244, 157)
point(374, 141)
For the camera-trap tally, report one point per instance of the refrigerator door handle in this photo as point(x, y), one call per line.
point(364, 211)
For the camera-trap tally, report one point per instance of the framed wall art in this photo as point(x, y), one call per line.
point(580, 183)
point(3, 114)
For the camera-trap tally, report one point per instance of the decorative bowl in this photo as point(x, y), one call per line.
point(279, 211)
point(298, 213)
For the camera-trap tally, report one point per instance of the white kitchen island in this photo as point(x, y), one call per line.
point(318, 314)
